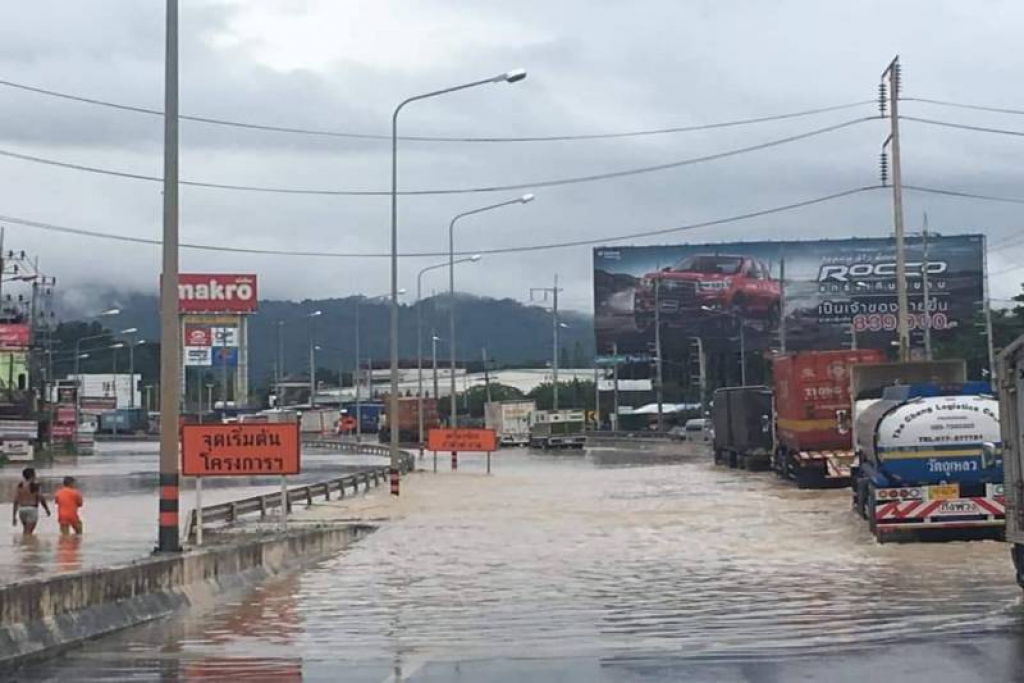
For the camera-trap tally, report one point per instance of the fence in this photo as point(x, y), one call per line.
point(228, 513)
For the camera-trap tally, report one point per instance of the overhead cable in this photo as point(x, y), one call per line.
point(554, 182)
point(962, 126)
point(98, 234)
point(431, 138)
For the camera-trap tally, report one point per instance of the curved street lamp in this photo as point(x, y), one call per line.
point(513, 76)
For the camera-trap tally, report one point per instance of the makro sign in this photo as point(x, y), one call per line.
point(217, 293)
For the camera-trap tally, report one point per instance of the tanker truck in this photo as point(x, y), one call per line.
point(929, 461)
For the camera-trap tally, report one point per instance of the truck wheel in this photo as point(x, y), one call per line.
point(733, 460)
point(870, 513)
point(716, 456)
point(1017, 553)
point(860, 493)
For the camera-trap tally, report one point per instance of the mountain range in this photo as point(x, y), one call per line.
point(513, 333)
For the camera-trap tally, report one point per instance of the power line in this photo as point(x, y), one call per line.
point(428, 138)
point(97, 234)
point(572, 180)
point(963, 126)
point(963, 105)
point(964, 195)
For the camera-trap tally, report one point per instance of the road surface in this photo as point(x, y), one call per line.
point(560, 569)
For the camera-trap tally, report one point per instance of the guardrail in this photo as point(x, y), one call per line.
point(228, 513)
point(631, 435)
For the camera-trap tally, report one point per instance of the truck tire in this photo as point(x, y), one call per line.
point(1017, 554)
point(716, 456)
point(733, 459)
point(870, 512)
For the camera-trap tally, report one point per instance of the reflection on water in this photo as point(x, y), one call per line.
point(555, 558)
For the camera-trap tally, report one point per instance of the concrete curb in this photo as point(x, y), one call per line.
point(41, 617)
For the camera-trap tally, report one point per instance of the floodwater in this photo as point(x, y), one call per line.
point(558, 568)
point(119, 485)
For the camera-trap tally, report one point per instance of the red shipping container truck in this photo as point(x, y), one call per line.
point(814, 446)
point(408, 419)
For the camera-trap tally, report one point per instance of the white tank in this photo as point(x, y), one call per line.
point(939, 422)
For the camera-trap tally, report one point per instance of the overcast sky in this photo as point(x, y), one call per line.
point(594, 67)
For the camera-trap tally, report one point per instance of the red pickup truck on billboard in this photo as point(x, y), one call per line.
point(738, 284)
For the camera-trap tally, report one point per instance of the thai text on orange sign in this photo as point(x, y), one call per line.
point(463, 440)
point(239, 450)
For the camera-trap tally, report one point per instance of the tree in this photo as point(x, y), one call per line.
point(572, 394)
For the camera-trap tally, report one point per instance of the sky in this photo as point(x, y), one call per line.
point(594, 67)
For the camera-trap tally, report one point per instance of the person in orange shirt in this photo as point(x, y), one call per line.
point(68, 499)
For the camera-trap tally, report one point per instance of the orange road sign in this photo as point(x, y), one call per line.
point(463, 440)
point(239, 450)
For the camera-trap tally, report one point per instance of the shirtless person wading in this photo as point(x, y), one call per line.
point(27, 500)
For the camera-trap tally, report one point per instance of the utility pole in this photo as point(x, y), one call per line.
point(555, 325)
point(615, 385)
point(892, 73)
point(702, 375)
point(926, 295)
point(657, 351)
point(170, 353)
point(782, 304)
point(487, 376)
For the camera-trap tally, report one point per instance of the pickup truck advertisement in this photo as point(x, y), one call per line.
point(822, 294)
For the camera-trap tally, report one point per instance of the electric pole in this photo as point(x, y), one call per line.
point(657, 351)
point(926, 319)
point(892, 75)
point(555, 325)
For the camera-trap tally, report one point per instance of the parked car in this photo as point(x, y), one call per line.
point(697, 429)
point(738, 284)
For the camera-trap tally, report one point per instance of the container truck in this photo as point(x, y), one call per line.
point(557, 429)
point(408, 419)
point(1011, 402)
point(930, 461)
point(319, 420)
point(510, 420)
point(743, 424)
point(812, 405)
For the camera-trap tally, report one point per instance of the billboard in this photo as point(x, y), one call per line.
point(15, 336)
point(217, 293)
point(822, 294)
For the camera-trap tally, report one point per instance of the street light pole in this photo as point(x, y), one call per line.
point(312, 360)
point(525, 199)
point(170, 354)
point(657, 351)
point(419, 337)
point(508, 77)
point(279, 365)
point(433, 357)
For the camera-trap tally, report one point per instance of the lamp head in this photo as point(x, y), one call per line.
point(474, 258)
point(527, 198)
point(513, 76)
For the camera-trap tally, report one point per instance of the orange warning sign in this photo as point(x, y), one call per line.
point(463, 440)
point(239, 450)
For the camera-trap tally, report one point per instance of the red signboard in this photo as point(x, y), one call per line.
point(463, 440)
point(239, 450)
point(217, 293)
point(14, 336)
point(198, 335)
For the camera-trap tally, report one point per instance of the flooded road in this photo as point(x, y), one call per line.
point(557, 568)
point(119, 485)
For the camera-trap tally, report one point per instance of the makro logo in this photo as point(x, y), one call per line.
point(873, 271)
point(217, 292)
